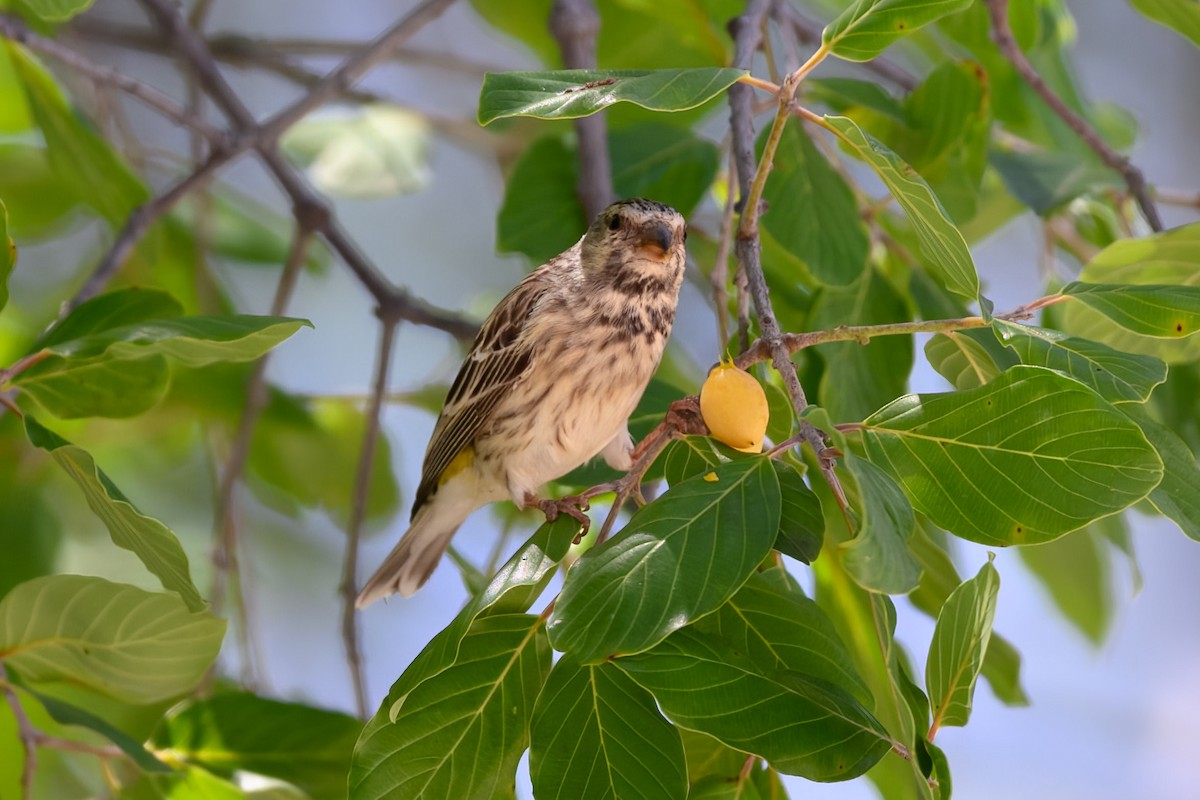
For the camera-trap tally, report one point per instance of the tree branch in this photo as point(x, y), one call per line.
point(809, 32)
point(358, 510)
point(1134, 179)
point(575, 25)
point(27, 734)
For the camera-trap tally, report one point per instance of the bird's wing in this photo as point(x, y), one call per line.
point(498, 360)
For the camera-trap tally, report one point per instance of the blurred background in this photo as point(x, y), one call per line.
point(1111, 716)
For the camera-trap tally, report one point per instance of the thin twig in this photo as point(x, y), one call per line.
point(575, 25)
point(14, 29)
point(809, 32)
point(358, 510)
point(1177, 197)
point(720, 271)
point(225, 557)
point(1134, 179)
point(25, 732)
point(761, 350)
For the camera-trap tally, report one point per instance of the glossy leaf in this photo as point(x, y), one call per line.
point(948, 259)
point(859, 379)
point(1158, 310)
point(1076, 571)
point(86, 163)
point(688, 457)
point(960, 640)
point(1115, 376)
point(569, 94)
point(960, 359)
point(8, 255)
point(801, 725)
point(676, 560)
point(378, 151)
point(1178, 496)
point(811, 211)
point(772, 623)
point(152, 542)
point(120, 308)
point(596, 733)
point(1169, 258)
point(877, 557)
point(1181, 15)
point(307, 747)
point(1024, 459)
point(801, 525)
point(127, 643)
point(512, 590)
point(460, 733)
point(867, 27)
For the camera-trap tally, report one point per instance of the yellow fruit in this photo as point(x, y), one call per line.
point(734, 408)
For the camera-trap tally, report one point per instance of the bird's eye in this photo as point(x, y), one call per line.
point(615, 222)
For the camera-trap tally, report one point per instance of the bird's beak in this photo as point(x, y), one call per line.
point(658, 234)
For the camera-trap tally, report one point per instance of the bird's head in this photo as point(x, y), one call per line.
point(635, 237)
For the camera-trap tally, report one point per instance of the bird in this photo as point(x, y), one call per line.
point(549, 382)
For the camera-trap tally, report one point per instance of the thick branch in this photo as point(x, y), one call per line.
point(1003, 36)
point(575, 25)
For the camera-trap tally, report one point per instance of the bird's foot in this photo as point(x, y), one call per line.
point(574, 507)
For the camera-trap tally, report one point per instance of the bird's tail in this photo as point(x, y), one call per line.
point(416, 555)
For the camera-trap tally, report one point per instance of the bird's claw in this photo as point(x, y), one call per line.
point(574, 507)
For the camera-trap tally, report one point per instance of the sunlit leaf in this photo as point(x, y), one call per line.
point(676, 560)
point(124, 642)
point(1024, 459)
point(867, 27)
point(596, 733)
point(70, 388)
point(1116, 376)
point(877, 557)
point(308, 747)
point(948, 259)
point(960, 359)
point(460, 733)
point(801, 725)
point(1159, 310)
point(147, 538)
point(1181, 15)
point(57, 10)
point(8, 255)
point(568, 94)
point(120, 308)
point(960, 639)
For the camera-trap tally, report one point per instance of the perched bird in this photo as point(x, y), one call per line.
point(549, 383)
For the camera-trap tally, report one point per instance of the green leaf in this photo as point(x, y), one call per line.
point(8, 255)
point(960, 359)
point(688, 457)
point(772, 623)
point(573, 93)
point(1024, 459)
point(1172, 257)
point(193, 341)
point(867, 27)
point(308, 747)
point(1076, 571)
point(513, 589)
point(859, 379)
point(68, 714)
point(960, 640)
point(707, 756)
point(1160, 310)
point(1181, 15)
point(376, 151)
point(877, 557)
point(87, 164)
point(57, 10)
point(123, 307)
point(596, 733)
point(242, 230)
point(1178, 496)
point(801, 524)
point(1048, 180)
point(677, 559)
point(126, 643)
point(39, 202)
point(1117, 377)
point(461, 732)
point(70, 388)
point(812, 213)
point(949, 260)
point(801, 725)
point(153, 543)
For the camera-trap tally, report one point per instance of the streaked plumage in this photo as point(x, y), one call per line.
point(549, 382)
